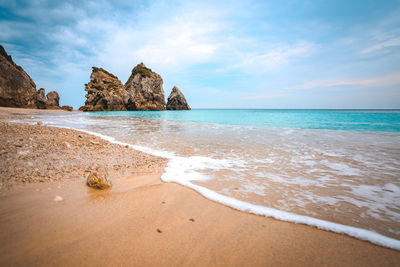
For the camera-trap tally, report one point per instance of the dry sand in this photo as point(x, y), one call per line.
point(142, 221)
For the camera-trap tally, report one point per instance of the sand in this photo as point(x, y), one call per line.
point(142, 221)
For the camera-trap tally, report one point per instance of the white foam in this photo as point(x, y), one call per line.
point(341, 168)
point(182, 170)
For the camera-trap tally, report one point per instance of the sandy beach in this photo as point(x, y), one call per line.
point(49, 217)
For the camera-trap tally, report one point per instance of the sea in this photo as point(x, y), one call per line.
point(337, 170)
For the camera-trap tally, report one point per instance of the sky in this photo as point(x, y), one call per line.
point(221, 54)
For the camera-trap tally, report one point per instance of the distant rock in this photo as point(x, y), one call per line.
point(67, 108)
point(51, 101)
point(145, 89)
point(176, 100)
point(17, 89)
point(105, 92)
point(41, 99)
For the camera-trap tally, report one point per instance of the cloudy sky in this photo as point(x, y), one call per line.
point(222, 54)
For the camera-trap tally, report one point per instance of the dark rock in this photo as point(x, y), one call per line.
point(105, 92)
point(176, 100)
point(17, 89)
point(67, 108)
point(145, 89)
point(41, 99)
point(53, 100)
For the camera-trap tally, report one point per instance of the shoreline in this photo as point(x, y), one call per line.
point(217, 235)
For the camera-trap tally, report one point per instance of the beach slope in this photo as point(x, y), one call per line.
point(56, 220)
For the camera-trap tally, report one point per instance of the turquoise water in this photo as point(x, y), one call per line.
point(350, 120)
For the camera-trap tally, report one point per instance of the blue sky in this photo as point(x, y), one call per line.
point(222, 54)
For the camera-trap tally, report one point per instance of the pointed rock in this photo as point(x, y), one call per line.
point(145, 89)
point(176, 100)
point(17, 89)
point(105, 92)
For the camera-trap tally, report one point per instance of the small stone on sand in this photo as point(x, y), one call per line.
point(67, 144)
point(159, 231)
point(58, 199)
point(99, 179)
point(39, 123)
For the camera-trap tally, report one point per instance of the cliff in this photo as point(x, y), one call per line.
point(176, 100)
point(17, 89)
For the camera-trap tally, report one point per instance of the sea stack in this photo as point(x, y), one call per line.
point(17, 89)
point(145, 89)
point(105, 92)
point(176, 100)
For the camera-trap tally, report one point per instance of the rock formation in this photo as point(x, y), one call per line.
point(142, 91)
point(105, 92)
point(145, 89)
point(53, 100)
point(18, 90)
point(67, 108)
point(16, 87)
point(176, 100)
point(50, 101)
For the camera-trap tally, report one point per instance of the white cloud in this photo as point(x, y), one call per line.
point(263, 59)
point(382, 45)
point(384, 80)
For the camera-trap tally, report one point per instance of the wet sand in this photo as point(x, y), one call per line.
point(141, 220)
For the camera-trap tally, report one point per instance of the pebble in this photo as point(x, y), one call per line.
point(58, 199)
point(67, 144)
point(39, 123)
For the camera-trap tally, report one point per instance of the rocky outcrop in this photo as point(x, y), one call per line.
point(50, 101)
point(67, 108)
point(105, 92)
point(142, 91)
point(53, 100)
point(17, 89)
point(176, 100)
point(145, 89)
